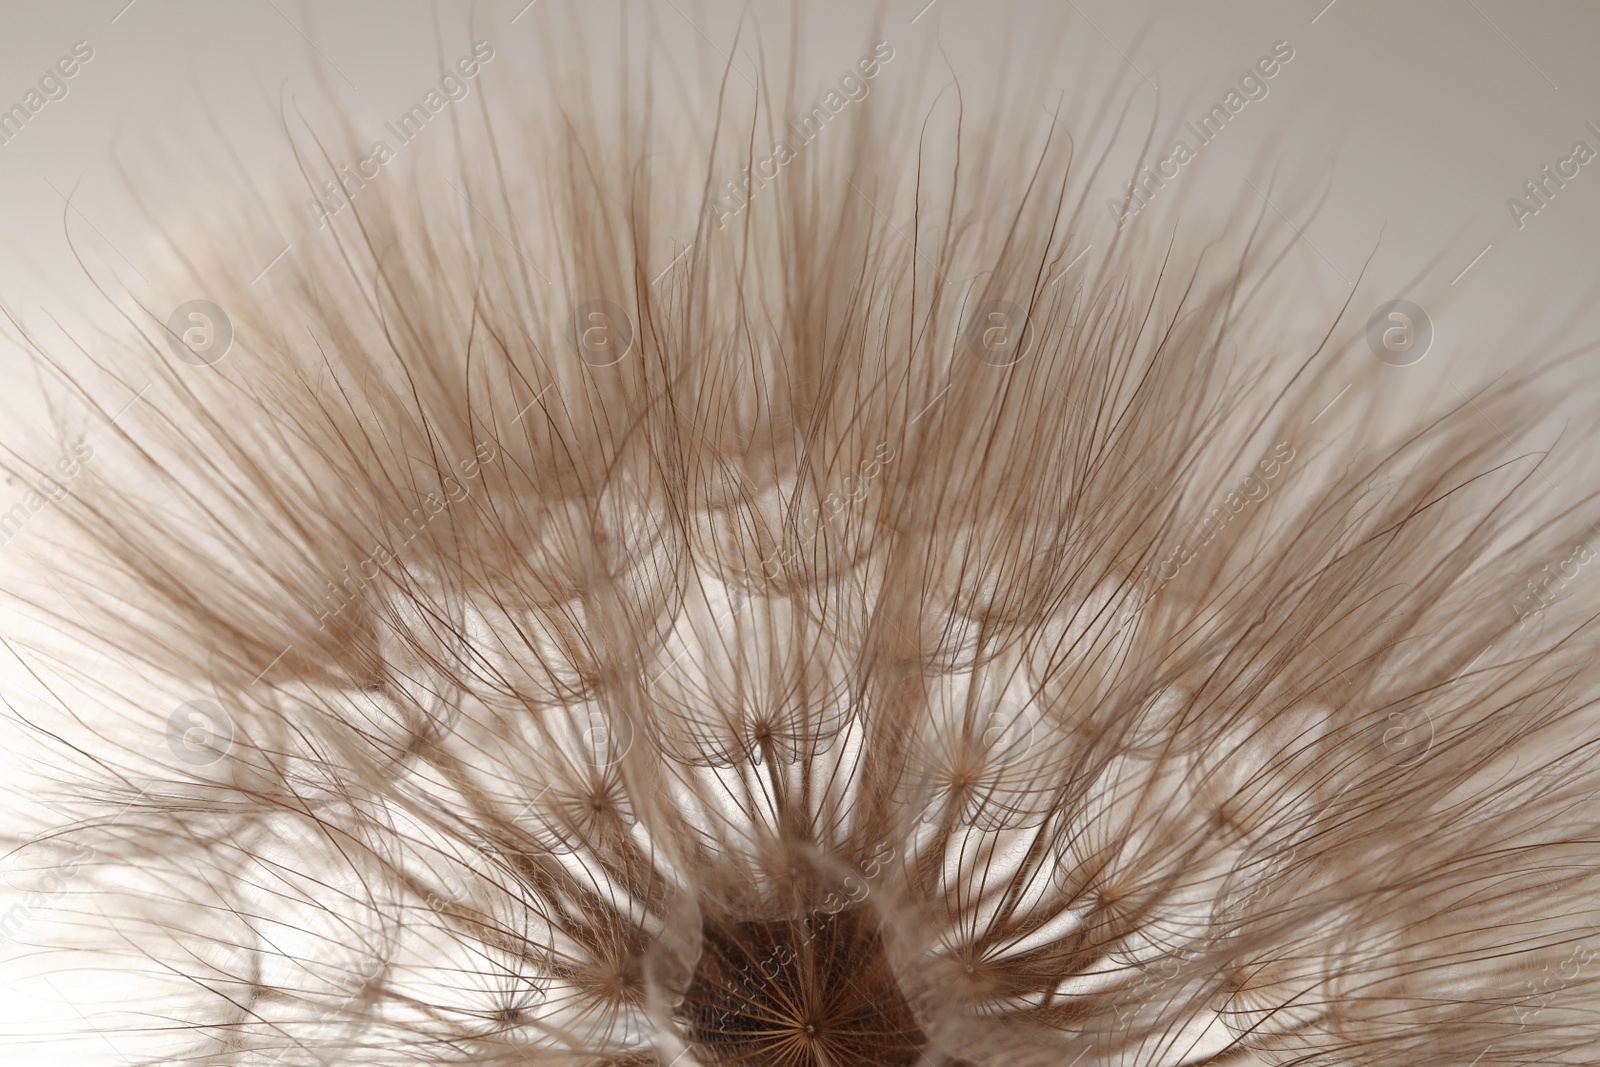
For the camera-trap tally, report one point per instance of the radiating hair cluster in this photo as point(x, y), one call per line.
point(873, 637)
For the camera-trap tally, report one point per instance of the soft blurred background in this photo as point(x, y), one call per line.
point(1389, 145)
point(1411, 124)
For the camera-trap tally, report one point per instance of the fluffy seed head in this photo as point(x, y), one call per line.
point(857, 643)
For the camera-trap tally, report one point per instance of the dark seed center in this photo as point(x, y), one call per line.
point(814, 991)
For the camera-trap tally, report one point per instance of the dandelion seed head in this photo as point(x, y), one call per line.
point(795, 688)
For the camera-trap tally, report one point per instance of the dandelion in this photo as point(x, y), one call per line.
point(667, 734)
